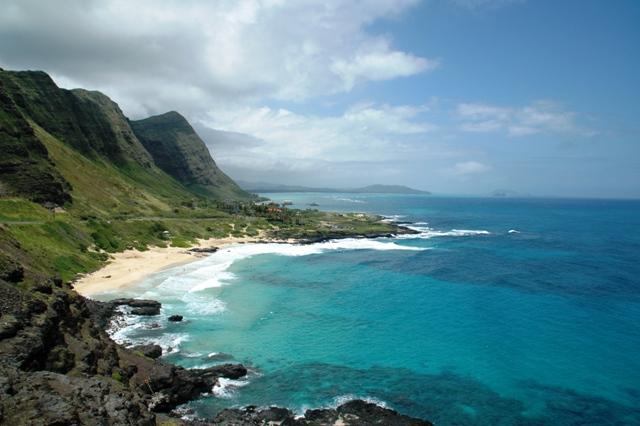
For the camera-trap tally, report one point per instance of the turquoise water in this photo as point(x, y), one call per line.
point(502, 311)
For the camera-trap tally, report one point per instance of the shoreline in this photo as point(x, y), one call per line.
point(127, 268)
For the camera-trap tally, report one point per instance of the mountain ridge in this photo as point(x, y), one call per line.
point(177, 149)
point(37, 119)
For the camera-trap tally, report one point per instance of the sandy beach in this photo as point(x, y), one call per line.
point(132, 266)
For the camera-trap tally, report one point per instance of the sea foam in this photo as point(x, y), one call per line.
point(225, 388)
point(426, 232)
point(213, 271)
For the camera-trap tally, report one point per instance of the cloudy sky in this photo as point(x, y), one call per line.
point(453, 96)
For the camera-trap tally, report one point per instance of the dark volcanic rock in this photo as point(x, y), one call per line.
point(228, 371)
point(137, 303)
point(57, 367)
point(204, 249)
point(140, 306)
point(168, 385)
point(146, 311)
point(175, 318)
point(9, 326)
point(353, 413)
point(358, 412)
point(46, 398)
point(10, 270)
point(151, 351)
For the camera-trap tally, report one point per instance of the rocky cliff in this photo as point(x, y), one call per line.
point(35, 114)
point(58, 366)
point(25, 165)
point(178, 150)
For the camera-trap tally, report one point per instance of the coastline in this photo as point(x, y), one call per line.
point(129, 267)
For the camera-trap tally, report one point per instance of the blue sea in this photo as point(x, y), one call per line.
point(499, 312)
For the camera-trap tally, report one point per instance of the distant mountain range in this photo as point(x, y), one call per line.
point(371, 189)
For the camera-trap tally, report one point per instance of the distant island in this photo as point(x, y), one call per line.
point(370, 189)
point(507, 193)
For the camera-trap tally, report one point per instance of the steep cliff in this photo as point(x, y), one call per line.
point(178, 150)
point(87, 121)
point(25, 166)
point(58, 146)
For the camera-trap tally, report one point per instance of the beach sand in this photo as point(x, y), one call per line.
point(132, 266)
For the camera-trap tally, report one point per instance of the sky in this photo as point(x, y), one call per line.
point(453, 96)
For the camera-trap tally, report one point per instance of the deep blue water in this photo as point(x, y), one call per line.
point(538, 326)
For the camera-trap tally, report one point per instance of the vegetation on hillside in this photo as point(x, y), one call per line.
point(80, 181)
point(178, 150)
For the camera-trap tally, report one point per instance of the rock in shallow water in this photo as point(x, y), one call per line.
point(151, 351)
point(352, 413)
point(175, 318)
point(140, 306)
point(145, 311)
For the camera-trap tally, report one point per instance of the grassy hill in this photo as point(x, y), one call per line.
point(78, 181)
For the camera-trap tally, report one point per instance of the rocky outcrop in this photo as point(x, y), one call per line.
point(89, 122)
point(204, 249)
point(140, 306)
point(48, 398)
point(178, 150)
point(175, 318)
point(25, 166)
point(57, 366)
point(150, 351)
point(352, 413)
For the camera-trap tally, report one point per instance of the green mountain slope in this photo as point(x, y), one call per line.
point(76, 145)
point(178, 150)
point(87, 121)
point(75, 149)
point(120, 184)
point(25, 165)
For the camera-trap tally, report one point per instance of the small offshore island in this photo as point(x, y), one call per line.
point(83, 188)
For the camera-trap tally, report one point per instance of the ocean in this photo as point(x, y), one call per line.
point(501, 311)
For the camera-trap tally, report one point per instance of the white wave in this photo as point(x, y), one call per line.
point(300, 411)
point(426, 232)
point(203, 304)
point(124, 329)
point(392, 218)
point(513, 231)
point(213, 271)
point(348, 200)
point(187, 283)
point(342, 399)
point(225, 388)
point(192, 354)
point(169, 342)
point(121, 326)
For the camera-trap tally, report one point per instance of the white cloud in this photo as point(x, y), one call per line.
point(469, 168)
point(158, 55)
point(379, 62)
point(364, 132)
point(538, 117)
